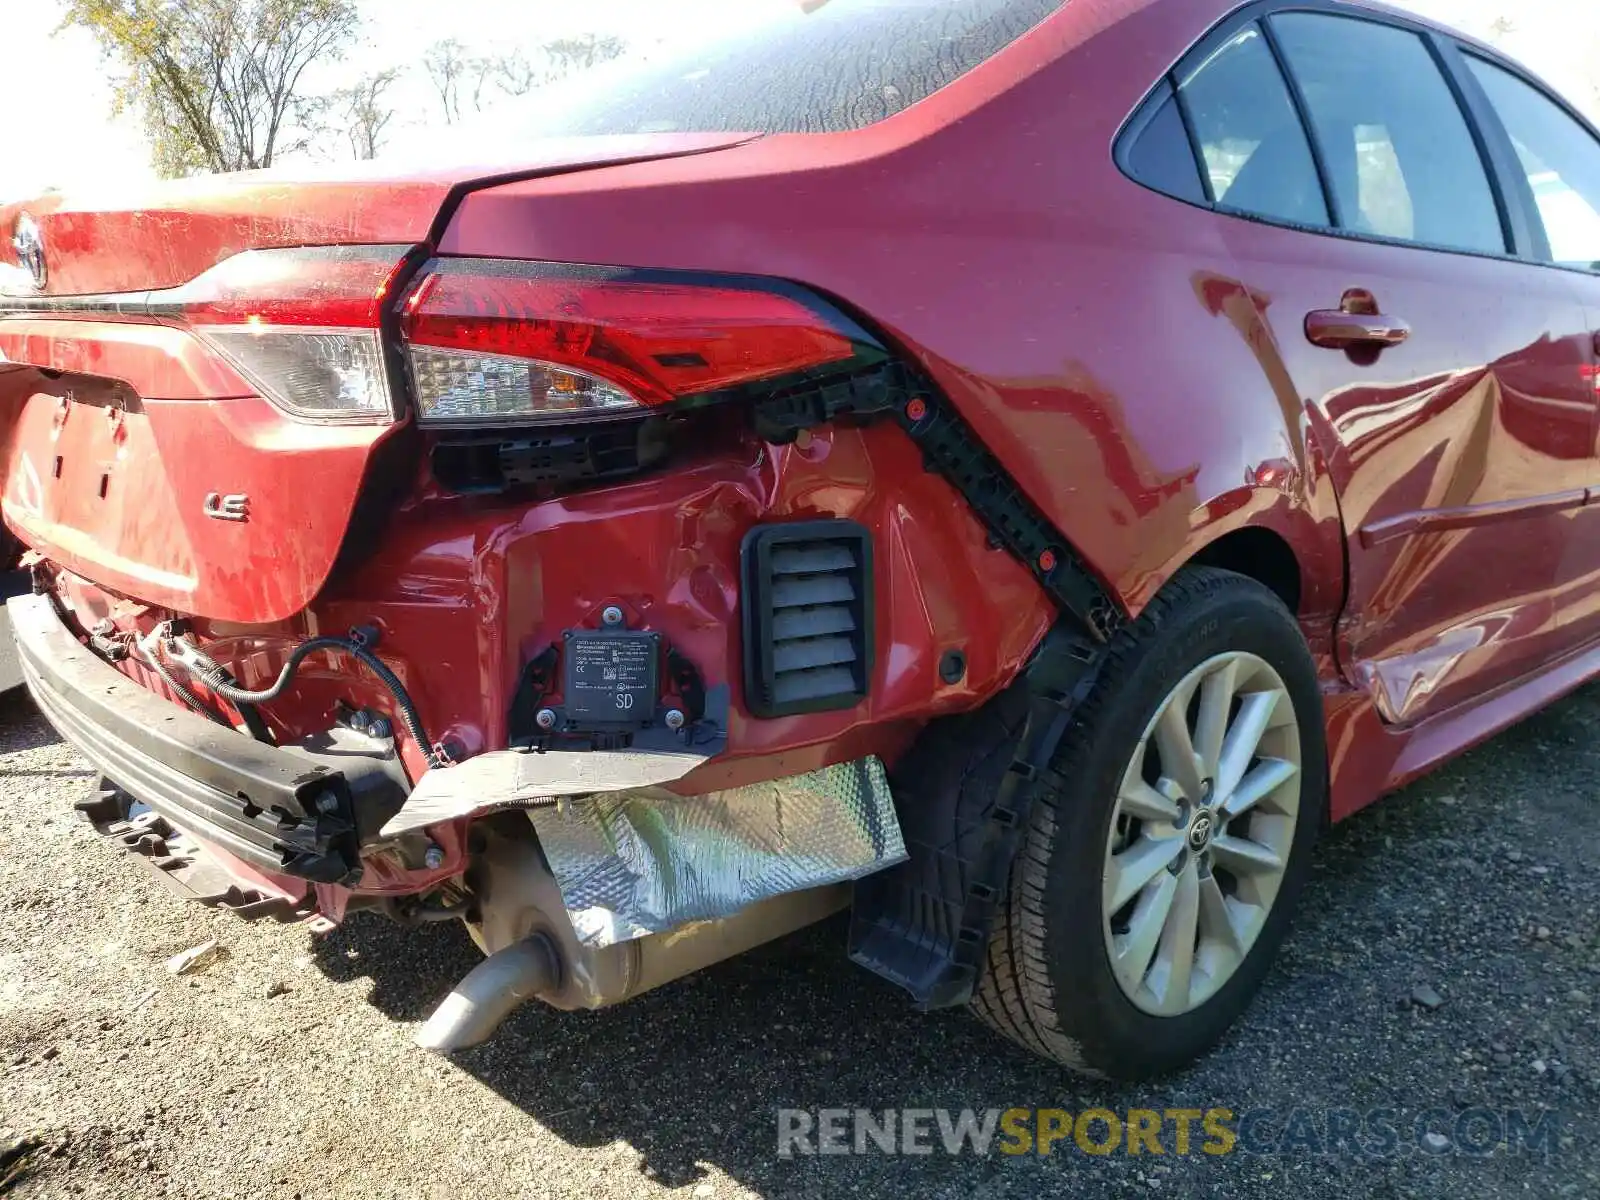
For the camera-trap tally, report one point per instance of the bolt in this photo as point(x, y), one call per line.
point(328, 803)
point(545, 718)
point(611, 615)
point(433, 857)
point(674, 718)
point(1047, 561)
point(1206, 788)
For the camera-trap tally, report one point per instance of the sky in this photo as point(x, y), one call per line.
point(74, 141)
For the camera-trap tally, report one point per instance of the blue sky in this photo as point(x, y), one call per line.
point(60, 131)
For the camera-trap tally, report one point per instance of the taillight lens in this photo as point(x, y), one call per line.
point(302, 325)
point(501, 340)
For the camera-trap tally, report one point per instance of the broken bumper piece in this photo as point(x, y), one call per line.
point(632, 858)
point(504, 779)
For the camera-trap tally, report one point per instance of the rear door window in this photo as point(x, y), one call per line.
point(1560, 158)
point(813, 66)
point(1256, 156)
point(1161, 157)
point(1401, 159)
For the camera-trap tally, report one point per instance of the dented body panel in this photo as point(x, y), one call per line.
point(1138, 368)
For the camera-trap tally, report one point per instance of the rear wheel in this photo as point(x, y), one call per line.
point(1152, 891)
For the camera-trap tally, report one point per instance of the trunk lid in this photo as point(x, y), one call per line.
point(144, 456)
point(169, 232)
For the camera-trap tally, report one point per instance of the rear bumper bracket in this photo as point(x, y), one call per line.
point(275, 808)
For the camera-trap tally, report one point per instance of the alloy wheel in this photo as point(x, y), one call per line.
point(1201, 834)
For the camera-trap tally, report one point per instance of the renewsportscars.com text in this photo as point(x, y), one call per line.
point(1178, 1132)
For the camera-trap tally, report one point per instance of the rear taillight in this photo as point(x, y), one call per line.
point(494, 340)
point(302, 325)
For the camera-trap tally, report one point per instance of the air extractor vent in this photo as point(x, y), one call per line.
point(807, 617)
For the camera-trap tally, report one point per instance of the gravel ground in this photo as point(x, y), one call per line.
point(286, 1068)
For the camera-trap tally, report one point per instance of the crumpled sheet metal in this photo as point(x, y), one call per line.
point(646, 861)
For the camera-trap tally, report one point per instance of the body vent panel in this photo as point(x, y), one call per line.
point(808, 612)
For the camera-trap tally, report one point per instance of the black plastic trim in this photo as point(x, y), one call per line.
point(924, 924)
point(951, 449)
point(755, 567)
point(552, 457)
point(267, 806)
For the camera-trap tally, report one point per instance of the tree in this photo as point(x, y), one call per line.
point(463, 80)
point(217, 82)
point(516, 75)
point(365, 113)
point(453, 72)
point(567, 55)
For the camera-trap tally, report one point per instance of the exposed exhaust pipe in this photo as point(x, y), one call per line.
point(487, 994)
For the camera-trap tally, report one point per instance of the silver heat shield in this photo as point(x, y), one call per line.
point(647, 860)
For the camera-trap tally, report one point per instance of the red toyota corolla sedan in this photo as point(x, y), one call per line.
point(1012, 469)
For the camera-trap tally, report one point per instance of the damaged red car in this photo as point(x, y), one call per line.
point(1009, 469)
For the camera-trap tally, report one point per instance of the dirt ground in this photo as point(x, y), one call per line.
point(286, 1068)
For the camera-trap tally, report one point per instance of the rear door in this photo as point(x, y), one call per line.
point(1443, 379)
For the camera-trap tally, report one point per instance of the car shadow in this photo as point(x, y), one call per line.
point(23, 727)
point(695, 1072)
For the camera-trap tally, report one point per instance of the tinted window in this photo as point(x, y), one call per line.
point(1399, 154)
point(1561, 159)
point(789, 68)
point(1161, 157)
point(1255, 151)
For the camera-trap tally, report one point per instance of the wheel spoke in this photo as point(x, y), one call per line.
point(1138, 946)
point(1128, 873)
point(1215, 923)
point(1175, 955)
point(1139, 799)
point(1176, 746)
point(1244, 857)
point(1244, 736)
point(1266, 777)
point(1211, 722)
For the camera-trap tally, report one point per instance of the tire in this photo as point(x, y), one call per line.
point(1049, 983)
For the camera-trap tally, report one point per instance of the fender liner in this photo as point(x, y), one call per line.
point(925, 924)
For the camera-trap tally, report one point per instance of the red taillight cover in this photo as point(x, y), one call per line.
point(654, 337)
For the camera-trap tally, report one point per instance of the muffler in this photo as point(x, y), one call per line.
point(534, 952)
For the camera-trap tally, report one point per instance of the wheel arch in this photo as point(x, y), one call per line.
point(1262, 554)
point(1285, 534)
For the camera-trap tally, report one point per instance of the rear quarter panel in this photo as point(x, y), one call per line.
point(1094, 333)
